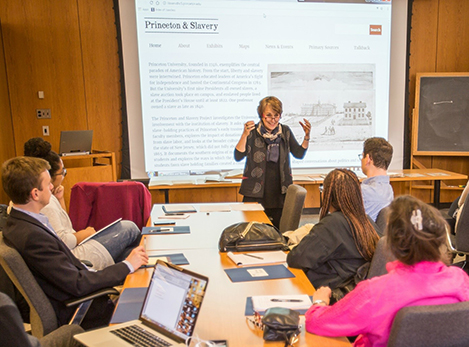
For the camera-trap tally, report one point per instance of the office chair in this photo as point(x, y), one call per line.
point(97, 204)
point(431, 326)
point(292, 208)
point(459, 243)
point(42, 316)
point(382, 220)
point(3, 216)
point(381, 257)
point(13, 333)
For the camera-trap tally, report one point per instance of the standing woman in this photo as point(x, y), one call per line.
point(344, 239)
point(267, 146)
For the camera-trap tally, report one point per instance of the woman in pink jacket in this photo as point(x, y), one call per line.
point(419, 276)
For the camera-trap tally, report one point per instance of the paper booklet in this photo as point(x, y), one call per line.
point(294, 302)
point(176, 208)
point(100, 230)
point(256, 258)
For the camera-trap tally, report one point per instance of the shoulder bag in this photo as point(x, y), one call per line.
point(252, 236)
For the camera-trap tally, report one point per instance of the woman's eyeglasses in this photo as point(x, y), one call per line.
point(272, 117)
point(63, 173)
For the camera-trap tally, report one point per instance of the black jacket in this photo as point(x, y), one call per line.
point(256, 152)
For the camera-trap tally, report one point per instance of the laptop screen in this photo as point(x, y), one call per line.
point(75, 142)
point(174, 299)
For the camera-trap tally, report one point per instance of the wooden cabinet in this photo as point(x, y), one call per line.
point(95, 167)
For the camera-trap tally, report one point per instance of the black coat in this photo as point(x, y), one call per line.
point(328, 254)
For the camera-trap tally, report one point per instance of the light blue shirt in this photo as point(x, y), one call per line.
point(377, 193)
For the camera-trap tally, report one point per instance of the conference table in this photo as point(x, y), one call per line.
point(222, 316)
point(403, 182)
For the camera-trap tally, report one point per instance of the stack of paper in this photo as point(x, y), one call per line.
point(295, 302)
point(256, 258)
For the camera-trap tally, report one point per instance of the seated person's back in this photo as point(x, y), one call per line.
point(343, 240)
point(376, 189)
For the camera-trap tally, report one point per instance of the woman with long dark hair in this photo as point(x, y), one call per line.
point(344, 239)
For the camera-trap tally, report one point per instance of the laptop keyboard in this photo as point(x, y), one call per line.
point(137, 336)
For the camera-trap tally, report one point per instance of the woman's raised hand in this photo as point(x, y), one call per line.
point(248, 127)
point(306, 127)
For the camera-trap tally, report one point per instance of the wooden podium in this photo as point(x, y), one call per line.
point(94, 167)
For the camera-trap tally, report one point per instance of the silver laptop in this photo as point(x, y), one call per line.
point(170, 310)
point(76, 142)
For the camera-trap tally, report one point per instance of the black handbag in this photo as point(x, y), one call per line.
point(252, 236)
point(281, 324)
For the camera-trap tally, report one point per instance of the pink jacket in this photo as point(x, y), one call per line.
point(370, 308)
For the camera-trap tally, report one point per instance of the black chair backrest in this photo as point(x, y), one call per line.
point(462, 229)
point(381, 257)
point(42, 315)
point(3, 216)
point(293, 207)
point(382, 220)
point(431, 326)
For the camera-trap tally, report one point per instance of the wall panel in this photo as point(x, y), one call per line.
point(7, 143)
point(101, 74)
point(453, 36)
point(43, 52)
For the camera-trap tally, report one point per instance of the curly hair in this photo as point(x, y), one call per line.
point(409, 244)
point(39, 148)
point(342, 192)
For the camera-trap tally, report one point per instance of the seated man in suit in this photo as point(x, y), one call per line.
point(59, 273)
point(376, 190)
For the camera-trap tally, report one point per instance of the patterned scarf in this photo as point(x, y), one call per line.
point(273, 141)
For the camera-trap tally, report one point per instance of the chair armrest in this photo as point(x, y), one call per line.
point(91, 296)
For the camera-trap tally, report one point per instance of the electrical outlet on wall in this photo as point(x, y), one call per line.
point(43, 113)
point(45, 130)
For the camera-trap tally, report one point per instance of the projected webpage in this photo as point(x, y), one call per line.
point(205, 65)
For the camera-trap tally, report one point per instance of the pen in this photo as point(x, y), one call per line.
point(174, 214)
point(159, 230)
point(253, 256)
point(286, 300)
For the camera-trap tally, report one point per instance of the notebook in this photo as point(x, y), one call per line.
point(100, 230)
point(170, 309)
point(77, 142)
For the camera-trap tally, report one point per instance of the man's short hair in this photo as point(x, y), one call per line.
point(21, 175)
point(379, 150)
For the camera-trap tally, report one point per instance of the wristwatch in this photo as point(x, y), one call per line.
point(319, 301)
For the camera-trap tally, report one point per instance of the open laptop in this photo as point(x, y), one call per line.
point(76, 142)
point(170, 310)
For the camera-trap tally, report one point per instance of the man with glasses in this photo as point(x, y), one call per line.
point(376, 189)
point(267, 146)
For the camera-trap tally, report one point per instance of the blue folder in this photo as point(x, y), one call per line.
point(273, 272)
point(164, 230)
